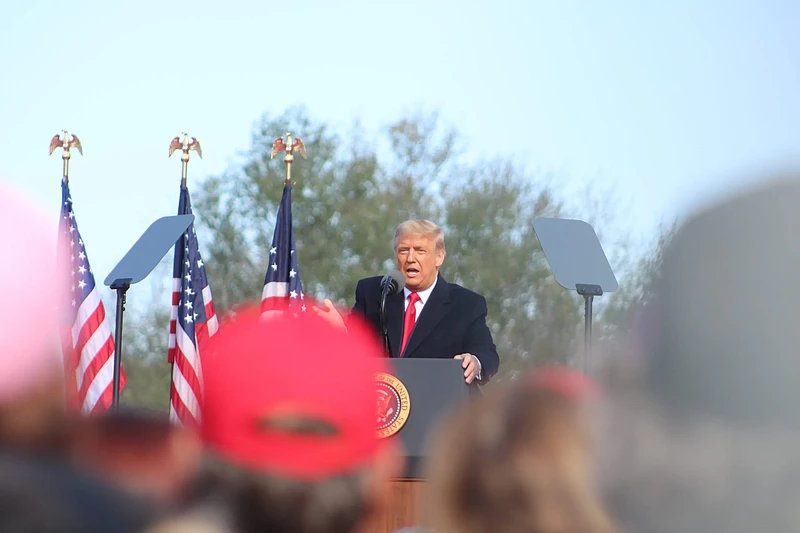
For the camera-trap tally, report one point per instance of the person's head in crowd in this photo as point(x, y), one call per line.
point(31, 375)
point(518, 460)
point(706, 437)
point(39, 490)
point(564, 381)
point(44, 495)
point(139, 451)
point(289, 425)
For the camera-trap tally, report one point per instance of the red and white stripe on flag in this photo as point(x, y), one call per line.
point(89, 357)
point(186, 390)
point(86, 343)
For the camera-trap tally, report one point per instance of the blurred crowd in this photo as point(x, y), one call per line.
point(694, 426)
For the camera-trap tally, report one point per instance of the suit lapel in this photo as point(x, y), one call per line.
point(394, 321)
point(432, 313)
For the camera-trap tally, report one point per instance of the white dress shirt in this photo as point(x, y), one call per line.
point(423, 298)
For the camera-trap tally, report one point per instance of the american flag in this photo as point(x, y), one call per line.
point(87, 343)
point(283, 289)
point(193, 322)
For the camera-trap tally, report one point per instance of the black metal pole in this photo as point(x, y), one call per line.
point(587, 330)
point(384, 329)
point(121, 286)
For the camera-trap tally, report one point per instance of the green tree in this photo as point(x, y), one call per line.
point(145, 341)
point(638, 287)
point(344, 209)
point(348, 197)
point(493, 250)
point(147, 372)
point(347, 202)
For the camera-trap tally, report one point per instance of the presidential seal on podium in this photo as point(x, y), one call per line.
point(394, 405)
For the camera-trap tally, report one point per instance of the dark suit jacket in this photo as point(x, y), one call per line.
point(452, 322)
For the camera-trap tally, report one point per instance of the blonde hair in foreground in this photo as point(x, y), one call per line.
point(420, 227)
point(515, 461)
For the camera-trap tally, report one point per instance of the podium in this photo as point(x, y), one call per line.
point(414, 396)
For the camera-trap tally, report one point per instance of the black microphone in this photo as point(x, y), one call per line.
point(391, 283)
point(396, 281)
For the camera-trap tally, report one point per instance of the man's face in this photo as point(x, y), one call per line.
point(418, 259)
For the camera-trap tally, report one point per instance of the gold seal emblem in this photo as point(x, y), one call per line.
point(394, 405)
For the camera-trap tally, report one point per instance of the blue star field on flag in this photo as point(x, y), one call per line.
point(282, 283)
point(192, 323)
point(82, 276)
point(87, 344)
point(189, 268)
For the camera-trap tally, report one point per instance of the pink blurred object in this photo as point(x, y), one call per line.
point(31, 288)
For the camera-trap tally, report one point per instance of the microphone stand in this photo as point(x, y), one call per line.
point(384, 330)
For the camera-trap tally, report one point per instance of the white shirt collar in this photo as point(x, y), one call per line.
point(423, 295)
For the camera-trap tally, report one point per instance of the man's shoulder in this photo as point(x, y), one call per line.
point(463, 294)
point(372, 282)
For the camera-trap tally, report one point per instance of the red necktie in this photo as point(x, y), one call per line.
point(409, 319)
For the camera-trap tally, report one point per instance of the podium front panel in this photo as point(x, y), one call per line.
point(435, 387)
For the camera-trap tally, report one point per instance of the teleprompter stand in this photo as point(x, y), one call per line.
point(121, 286)
point(136, 265)
point(578, 263)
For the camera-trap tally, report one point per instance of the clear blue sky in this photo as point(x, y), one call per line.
point(669, 103)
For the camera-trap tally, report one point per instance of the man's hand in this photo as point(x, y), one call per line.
point(471, 366)
point(330, 314)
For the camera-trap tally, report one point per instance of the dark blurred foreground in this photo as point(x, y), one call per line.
point(692, 427)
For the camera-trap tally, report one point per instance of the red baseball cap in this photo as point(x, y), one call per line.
point(566, 381)
point(291, 396)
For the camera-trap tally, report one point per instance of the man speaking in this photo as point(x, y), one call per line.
point(429, 318)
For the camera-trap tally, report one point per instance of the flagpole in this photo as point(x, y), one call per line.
point(69, 141)
point(288, 159)
point(289, 147)
point(185, 145)
point(282, 282)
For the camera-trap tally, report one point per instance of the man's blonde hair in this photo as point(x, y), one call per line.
point(420, 227)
